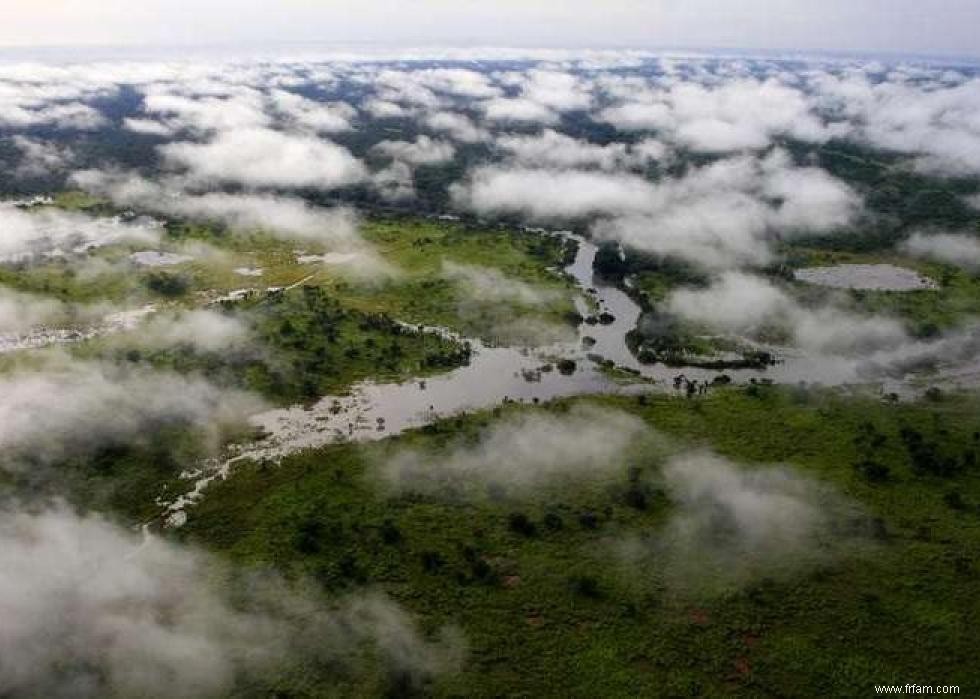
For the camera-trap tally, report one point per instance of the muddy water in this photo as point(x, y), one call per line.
point(496, 374)
point(37, 338)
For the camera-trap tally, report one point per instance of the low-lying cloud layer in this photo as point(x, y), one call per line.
point(90, 611)
point(729, 523)
point(201, 329)
point(720, 215)
point(962, 250)
point(70, 407)
point(491, 285)
point(422, 151)
point(522, 453)
point(266, 158)
point(287, 216)
point(49, 232)
point(748, 305)
point(502, 309)
point(556, 150)
point(743, 114)
point(246, 110)
point(20, 312)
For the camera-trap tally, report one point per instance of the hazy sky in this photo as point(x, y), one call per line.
point(911, 26)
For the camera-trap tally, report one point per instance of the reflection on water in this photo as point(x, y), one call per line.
point(496, 374)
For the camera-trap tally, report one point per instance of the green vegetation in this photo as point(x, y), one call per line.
point(406, 282)
point(301, 344)
point(421, 294)
point(549, 608)
point(652, 276)
point(540, 584)
point(121, 476)
point(927, 311)
point(564, 589)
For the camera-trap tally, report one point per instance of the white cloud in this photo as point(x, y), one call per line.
point(962, 250)
point(25, 105)
point(745, 304)
point(315, 116)
point(51, 232)
point(40, 158)
point(206, 114)
point(637, 116)
point(725, 214)
point(556, 90)
point(515, 109)
point(205, 330)
point(524, 452)
point(284, 216)
point(459, 127)
point(90, 611)
point(936, 123)
point(149, 127)
point(741, 114)
point(731, 523)
point(266, 158)
point(457, 81)
point(551, 194)
point(650, 149)
point(70, 407)
point(719, 215)
point(489, 285)
point(386, 109)
point(422, 151)
point(404, 88)
point(810, 199)
point(396, 182)
point(553, 149)
point(20, 311)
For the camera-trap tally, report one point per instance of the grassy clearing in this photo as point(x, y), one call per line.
point(421, 294)
point(555, 611)
point(301, 344)
point(414, 249)
point(926, 313)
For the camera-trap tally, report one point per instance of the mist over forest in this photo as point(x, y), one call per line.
point(483, 372)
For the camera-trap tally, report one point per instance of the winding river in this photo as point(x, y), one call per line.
point(498, 374)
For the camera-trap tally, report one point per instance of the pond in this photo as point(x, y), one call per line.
point(877, 277)
point(497, 374)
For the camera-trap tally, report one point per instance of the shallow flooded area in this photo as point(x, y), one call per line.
point(155, 258)
point(497, 374)
point(40, 337)
point(877, 277)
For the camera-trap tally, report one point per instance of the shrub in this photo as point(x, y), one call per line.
point(432, 561)
point(308, 535)
point(873, 470)
point(390, 533)
point(169, 285)
point(566, 367)
point(585, 585)
point(553, 522)
point(519, 523)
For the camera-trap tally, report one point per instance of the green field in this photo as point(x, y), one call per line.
point(926, 312)
point(410, 283)
point(549, 608)
point(567, 589)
